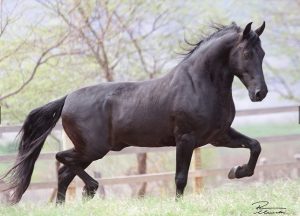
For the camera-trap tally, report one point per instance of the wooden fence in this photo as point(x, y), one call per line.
point(164, 175)
point(197, 173)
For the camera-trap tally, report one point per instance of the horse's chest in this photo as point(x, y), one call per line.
point(223, 118)
point(205, 120)
point(220, 120)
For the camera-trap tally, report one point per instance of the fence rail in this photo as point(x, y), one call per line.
point(164, 176)
point(270, 110)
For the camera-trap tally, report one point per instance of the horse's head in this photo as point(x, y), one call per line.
point(246, 59)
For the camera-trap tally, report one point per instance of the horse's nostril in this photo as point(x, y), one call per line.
point(257, 94)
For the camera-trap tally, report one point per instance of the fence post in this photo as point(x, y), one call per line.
point(263, 175)
point(297, 157)
point(101, 189)
point(67, 144)
point(54, 192)
point(198, 181)
point(142, 169)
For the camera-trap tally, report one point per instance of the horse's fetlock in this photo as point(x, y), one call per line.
point(181, 182)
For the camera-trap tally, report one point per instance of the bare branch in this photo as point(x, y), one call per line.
point(103, 60)
point(14, 51)
point(134, 42)
point(3, 27)
point(39, 62)
point(155, 25)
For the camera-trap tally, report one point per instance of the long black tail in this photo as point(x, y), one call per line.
point(33, 134)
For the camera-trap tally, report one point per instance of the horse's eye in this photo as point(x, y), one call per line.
point(247, 55)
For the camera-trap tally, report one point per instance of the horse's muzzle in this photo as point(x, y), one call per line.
point(258, 94)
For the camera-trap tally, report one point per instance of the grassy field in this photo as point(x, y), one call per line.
point(226, 200)
point(269, 129)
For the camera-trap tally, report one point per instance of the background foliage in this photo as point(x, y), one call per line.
point(49, 48)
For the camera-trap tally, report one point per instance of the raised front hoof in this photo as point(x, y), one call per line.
point(232, 172)
point(240, 172)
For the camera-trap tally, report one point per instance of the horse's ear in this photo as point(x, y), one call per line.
point(247, 30)
point(261, 29)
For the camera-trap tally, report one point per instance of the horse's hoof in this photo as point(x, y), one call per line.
point(231, 174)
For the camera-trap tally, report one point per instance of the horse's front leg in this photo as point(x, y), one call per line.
point(185, 145)
point(234, 139)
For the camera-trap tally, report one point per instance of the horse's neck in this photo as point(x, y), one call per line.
point(212, 64)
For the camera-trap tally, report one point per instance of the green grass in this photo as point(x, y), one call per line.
point(268, 129)
point(226, 200)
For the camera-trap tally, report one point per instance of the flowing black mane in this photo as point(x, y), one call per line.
point(220, 30)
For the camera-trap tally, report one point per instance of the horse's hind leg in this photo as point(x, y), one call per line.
point(234, 139)
point(65, 177)
point(74, 163)
point(88, 133)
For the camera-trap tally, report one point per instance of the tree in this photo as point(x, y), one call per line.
point(9, 18)
point(113, 36)
point(26, 48)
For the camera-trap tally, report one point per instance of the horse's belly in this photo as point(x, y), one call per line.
point(144, 141)
point(144, 137)
point(145, 132)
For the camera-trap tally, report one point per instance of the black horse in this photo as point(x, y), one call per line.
point(189, 107)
